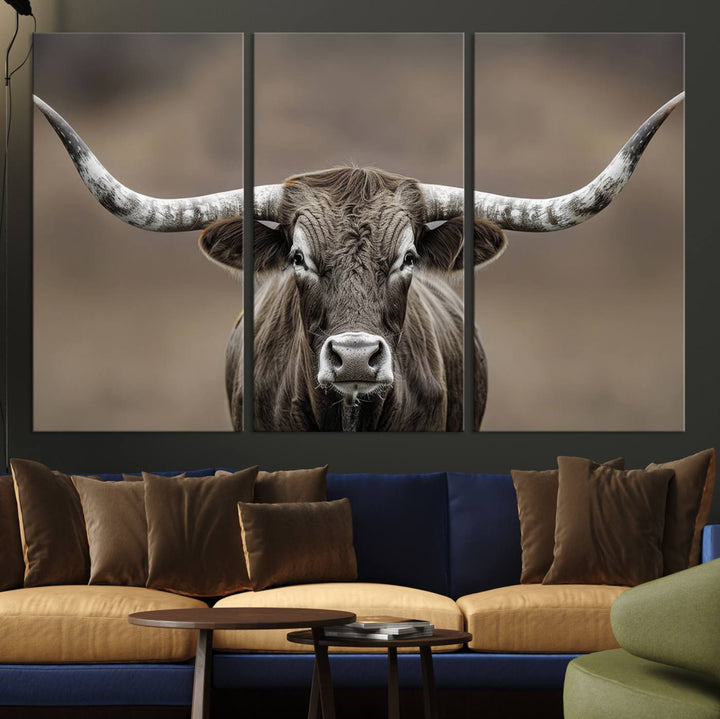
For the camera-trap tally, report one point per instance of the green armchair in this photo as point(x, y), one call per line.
point(669, 664)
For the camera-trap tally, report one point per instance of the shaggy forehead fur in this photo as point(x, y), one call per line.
point(352, 215)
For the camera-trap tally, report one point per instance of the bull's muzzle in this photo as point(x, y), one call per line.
point(355, 363)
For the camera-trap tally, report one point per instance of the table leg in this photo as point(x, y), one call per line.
point(327, 700)
point(393, 685)
point(202, 683)
point(429, 692)
point(314, 694)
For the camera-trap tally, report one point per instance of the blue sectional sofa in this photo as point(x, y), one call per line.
point(435, 537)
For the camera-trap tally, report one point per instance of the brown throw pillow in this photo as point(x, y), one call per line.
point(12, 565)
point(116, 530)
point(194, 540)
point(139, 478)
point(609, 524)
point(289, 485)
point(688, 508)
point(298, 543)
point(537, 500)
point(296, 485)
point(52, 526)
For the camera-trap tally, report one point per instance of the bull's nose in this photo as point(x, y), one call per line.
point(355, 357)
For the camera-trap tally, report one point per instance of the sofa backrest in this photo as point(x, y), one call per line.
point(449, 533)
point(117, 476)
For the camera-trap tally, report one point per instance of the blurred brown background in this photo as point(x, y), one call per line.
point(131, 326)
point(584, 327)
point(386, 100)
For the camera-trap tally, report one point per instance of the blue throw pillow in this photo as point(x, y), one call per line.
point(484, 532)
point(400, 526)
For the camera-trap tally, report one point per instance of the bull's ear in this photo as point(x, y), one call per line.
point(222, 242)
point(441, 246)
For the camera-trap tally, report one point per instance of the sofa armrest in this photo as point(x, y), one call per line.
point(673, 620)
point(711, 542)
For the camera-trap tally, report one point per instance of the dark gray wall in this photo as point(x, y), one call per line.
point(466, 451)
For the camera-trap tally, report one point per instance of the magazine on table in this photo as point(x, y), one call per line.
point(384, 628)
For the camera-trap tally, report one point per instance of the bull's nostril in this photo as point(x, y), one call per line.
point(376, 357)
point(334, 357)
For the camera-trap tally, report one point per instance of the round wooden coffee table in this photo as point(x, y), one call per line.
point(207, 620)
point(322, 679)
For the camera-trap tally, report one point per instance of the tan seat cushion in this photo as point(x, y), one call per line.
point(363, 599)
point(541, 618)
point(80, 623)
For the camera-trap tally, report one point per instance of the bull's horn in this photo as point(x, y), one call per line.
point(152, 213)
point(554, 213)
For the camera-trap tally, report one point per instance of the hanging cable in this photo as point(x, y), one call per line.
point(21, 7)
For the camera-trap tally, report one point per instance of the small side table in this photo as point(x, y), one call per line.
point(207, 620)
point(321, 675)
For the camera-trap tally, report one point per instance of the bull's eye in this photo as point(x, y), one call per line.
point(298, 259)
point(409, 260)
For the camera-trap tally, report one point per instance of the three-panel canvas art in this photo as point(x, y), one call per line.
point(359, 235)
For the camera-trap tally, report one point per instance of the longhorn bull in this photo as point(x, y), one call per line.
point(356, 328)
